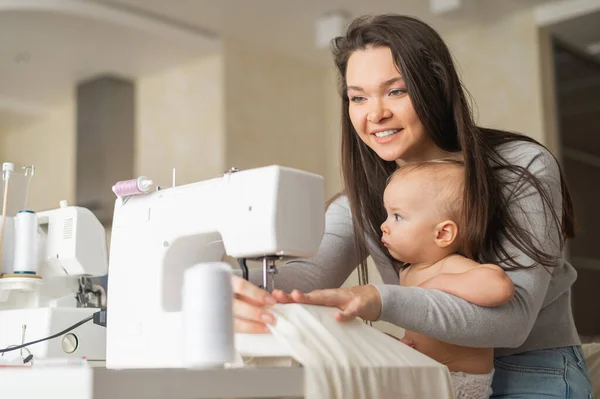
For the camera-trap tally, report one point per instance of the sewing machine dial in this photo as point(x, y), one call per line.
point(70, 343)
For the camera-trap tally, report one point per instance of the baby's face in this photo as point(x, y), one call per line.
point(412, 215)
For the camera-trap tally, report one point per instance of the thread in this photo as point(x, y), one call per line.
point(25, 261)
point(8, 253)
point(125, 188)
point(207, 316)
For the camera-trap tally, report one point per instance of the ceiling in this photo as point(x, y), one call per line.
point(288, 26)
point(47, 46)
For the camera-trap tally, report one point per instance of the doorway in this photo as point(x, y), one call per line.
point(577, 85)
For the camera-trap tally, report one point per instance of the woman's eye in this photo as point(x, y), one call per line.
point(357, 99)
point(397, 217)
point(397, 92)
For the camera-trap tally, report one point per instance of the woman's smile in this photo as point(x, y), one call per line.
point(383, 136)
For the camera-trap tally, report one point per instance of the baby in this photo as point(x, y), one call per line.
point(424, 230)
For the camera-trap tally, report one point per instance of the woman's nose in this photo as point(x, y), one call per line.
point(379, 112)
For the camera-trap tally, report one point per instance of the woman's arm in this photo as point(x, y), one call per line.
point(484, 285)
point(454, 320)
point(331, 265)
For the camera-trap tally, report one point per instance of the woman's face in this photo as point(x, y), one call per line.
point(381, 110)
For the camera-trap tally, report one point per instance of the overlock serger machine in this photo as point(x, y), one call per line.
point(45, 286)
point(261, 214)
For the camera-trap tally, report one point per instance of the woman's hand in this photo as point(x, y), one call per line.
point(363, 301)
point(247, 307)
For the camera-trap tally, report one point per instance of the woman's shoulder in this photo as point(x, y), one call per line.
point(339, 201)
point(339, 207)
point(530, 155)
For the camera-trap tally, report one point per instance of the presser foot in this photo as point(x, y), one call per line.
point(269, 271)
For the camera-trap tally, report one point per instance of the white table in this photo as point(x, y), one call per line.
point(101, 383)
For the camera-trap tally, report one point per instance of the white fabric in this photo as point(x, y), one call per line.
point(472, 386)
point(353, 360)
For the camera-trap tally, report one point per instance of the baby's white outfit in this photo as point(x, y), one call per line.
point(472, 386)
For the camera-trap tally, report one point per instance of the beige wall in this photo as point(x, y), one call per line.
point(180, 122)
point(245, 108)
point(50, 146)
point(275, 110)
point(201, 118)
point(499, 62)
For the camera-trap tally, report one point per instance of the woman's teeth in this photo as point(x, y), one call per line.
point(386, 133)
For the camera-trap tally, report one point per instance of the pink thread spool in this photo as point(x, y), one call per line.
point(125, 188)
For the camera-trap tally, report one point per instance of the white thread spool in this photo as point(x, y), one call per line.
point(25, 261)
point(207, 316)
point(8, 253)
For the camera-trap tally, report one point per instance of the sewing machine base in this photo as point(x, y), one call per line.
point(87, 340)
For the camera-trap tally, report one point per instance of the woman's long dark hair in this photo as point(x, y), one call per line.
point(440, 102)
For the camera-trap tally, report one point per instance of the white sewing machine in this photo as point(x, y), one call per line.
point(262, 213)
point(70, 243)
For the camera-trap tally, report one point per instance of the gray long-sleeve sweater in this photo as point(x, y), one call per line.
point(539, 315)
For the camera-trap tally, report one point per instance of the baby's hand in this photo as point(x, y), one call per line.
point(408, 342)
point(404, 341)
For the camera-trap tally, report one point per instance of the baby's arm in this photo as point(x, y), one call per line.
point(483, 285)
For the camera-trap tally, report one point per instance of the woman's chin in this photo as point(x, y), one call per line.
point(390, 156)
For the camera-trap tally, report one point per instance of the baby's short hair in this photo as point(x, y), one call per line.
point(449, 177)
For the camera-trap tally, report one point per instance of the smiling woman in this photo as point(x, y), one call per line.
point(402, 103)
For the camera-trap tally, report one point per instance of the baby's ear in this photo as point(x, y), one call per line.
point(446, 233)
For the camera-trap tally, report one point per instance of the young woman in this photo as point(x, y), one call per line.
point(402, 102)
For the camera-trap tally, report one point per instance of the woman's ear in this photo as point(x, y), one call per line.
point(446, 233)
